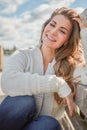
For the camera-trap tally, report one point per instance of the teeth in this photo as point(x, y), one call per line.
point(50, 38)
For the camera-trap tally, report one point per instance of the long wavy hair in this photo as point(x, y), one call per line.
point(67, 56)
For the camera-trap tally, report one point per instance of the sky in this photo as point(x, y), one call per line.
point(21, 20)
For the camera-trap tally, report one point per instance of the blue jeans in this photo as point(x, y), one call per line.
point(18, 113)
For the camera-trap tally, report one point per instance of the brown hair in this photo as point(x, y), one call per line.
point(69, 55)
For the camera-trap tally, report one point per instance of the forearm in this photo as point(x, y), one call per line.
point(20, 83)
point(17, 80)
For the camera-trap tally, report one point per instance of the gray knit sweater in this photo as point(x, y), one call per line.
point(23, 75)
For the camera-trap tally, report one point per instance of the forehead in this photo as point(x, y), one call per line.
point(61, 20)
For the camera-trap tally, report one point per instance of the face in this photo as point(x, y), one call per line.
point(57, 32)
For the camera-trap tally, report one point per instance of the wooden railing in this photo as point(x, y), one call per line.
point(79, 120)
point(1, 56)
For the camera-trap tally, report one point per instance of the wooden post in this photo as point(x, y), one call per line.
point(1, 57)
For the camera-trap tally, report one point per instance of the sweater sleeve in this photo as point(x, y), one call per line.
point(16, 81)
point(83, 71)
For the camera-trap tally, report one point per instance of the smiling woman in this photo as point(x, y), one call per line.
point(38, 81)
point(57, 32)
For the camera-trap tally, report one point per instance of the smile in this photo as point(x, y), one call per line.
point(50, 38)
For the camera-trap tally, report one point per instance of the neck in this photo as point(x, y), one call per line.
point(47, 53)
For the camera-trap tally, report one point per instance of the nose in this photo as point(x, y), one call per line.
point(54, 31)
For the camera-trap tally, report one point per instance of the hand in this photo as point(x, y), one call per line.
point(82, 23)
point(70, 103)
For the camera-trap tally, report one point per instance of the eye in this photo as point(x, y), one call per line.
point(62, 31)
point(51, 24)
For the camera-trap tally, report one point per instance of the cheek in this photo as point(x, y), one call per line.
point(64, 39)
point(43, 35)
point(47, 28)
point(45, 31)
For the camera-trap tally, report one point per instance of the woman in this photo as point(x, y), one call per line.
point(38, 81)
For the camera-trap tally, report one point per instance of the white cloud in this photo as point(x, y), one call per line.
point(45, 10)
point(17, 32)
point(26, 16)
point(59, 3)
point(42, 8)
point(79, 9)
point(10, 6)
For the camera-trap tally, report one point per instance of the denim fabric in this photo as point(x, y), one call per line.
point(18, 113)
point(15, 112)
point(43, 123)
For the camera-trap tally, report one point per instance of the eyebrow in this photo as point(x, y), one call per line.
point(61, 27)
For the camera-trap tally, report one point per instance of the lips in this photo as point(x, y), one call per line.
point(50, 38)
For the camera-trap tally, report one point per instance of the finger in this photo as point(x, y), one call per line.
point(64, 101)
point(81, 21)
point(70, 104)
point(70, 107)
point(77, 20)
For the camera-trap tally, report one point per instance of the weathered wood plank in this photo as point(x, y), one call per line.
point(1, 55)
point(73, 123)
point(81, 99)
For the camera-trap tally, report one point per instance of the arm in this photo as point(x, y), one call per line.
point(16, 81)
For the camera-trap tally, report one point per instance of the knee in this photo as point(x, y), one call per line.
point(16, 111)
point(55, 125)
point(27, 103)
point(51, 123)
point(17, 106)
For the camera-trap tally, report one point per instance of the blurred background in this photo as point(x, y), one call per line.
point(21, 21)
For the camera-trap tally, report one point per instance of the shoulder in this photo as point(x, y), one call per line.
point(26, 51)
point(24, 55)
